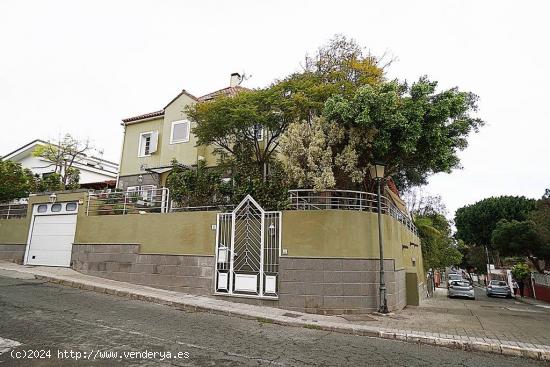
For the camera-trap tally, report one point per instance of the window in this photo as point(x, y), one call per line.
point(180, 132)
point(56, 208)
point(147, 143)
point(42, 208)
point(70, 207)
point(258, 132)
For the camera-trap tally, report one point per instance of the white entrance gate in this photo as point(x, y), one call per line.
point(248, 245)
point(51, 234)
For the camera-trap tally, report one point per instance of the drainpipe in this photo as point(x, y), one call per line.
point(121, 153)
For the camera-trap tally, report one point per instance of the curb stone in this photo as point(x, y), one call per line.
point(542, 353)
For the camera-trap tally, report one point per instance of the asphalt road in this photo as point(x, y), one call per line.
point(45, 317)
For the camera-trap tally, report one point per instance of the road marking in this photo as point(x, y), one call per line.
point(520, 309)
point(7, 344)
point(543, 306)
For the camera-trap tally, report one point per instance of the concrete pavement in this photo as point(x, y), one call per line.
point(412, 324)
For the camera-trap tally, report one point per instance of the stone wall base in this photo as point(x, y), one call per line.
point(338, 286)
point(180, 273)
point(12, 253)
point(328, 286)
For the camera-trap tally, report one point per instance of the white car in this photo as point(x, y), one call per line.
point(461, 288)
point(452, 277)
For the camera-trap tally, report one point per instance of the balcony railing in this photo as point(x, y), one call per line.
point(307, 199)
point(12, 211)
point(128, 202)
point(174, 207)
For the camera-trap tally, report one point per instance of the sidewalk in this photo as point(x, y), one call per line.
point(404, 326)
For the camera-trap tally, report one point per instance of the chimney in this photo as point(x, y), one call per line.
point(235, 80)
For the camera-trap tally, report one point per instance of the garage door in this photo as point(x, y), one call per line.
point(52, 234)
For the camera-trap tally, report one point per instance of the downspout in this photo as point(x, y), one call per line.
point(121, 153)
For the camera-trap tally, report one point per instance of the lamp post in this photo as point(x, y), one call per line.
point(377, 173)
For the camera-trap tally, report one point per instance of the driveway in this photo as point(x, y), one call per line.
point(484, 317)
point(49, 317)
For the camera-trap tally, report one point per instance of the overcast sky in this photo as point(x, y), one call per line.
point(82, 66)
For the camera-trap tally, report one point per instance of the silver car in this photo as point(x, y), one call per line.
point(452, 277)
point(498, 288)
point(461, 288)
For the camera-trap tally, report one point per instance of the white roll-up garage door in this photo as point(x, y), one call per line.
point(52, 234)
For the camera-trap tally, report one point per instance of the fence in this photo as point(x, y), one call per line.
point(12, 211)
point(307, 199)
point(128, 202)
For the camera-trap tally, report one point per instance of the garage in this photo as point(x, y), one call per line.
point(51, 234)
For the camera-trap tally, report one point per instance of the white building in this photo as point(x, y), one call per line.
point(94, 171)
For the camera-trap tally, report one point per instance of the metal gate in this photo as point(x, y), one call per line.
point(248, 245)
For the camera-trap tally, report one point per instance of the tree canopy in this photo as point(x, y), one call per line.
point(415, 130)
point(62, 155)
point(439, 249)
point(475, 223)
point(15, 181)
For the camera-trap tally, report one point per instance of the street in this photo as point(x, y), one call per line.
point(485, 317)
point(46, 317)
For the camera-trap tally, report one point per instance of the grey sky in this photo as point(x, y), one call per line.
point(81, 66)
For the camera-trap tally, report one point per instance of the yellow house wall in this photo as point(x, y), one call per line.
point(339, 233)
point(317, 234)
point(185, 153)
point(14, 231)
point(130, 163)
point(172, 233)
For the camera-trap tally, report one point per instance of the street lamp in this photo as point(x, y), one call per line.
point(377, 173)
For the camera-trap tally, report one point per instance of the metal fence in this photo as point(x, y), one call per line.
point(542, 279)
point(12, 211)
point(129, 202)
point(308, 199)
point(174, 207)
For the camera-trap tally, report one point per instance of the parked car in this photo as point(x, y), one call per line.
point(461, 288)
point(452, 277)
point(498, 288)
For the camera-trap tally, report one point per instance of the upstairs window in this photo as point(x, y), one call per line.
point(258, 132)
point(180, 132)
point(147, 143)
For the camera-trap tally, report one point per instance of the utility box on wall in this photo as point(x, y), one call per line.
point(413, 294)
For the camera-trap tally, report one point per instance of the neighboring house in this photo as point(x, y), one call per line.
point(153, 140)
point(94, 172)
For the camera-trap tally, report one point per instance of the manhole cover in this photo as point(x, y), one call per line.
point(290, 314)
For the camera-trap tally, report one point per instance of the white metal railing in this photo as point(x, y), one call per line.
point(13, 210)
point(174, 207)
point(129, 202)
point(308, 199)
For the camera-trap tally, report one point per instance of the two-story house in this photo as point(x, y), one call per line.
point(153, 140)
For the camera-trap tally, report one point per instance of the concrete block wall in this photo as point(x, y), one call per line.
point(12, 253)
point(337, 285)
point(181, 273)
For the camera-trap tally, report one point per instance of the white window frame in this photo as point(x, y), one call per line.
point(150, 133)
point(179, 122)
point(260, 136)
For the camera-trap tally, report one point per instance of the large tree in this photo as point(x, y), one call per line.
point(475, 223)
point(15, 181)
point(232, 123)
point(520, 238)
point(415, 130)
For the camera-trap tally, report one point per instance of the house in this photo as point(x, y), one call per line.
point(152, 140)
point(95, 172)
